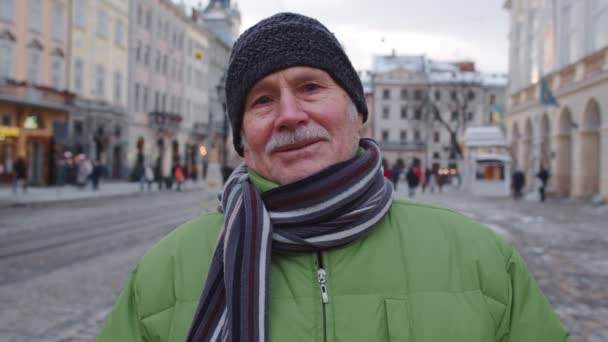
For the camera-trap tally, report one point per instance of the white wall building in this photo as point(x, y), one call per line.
point(564, 42)
point(403, 88)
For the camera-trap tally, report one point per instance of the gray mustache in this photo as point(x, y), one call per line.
point(302, 133)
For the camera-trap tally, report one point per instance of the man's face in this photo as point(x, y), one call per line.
point(298, 121)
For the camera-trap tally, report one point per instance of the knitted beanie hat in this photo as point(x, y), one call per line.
point(279, 42)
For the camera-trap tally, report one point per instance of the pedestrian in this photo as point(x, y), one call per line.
point(178, 174)
point(412, 181)
point(84, 169)
point(96, 173)
point(543, 176)
point(149, 176)
point(158, 175)
point(388, 173)
point(428, 180)
point(309, 243)
point(19, 175)
point(518, 182)
point(397, 171)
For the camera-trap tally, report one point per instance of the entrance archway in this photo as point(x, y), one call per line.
point(563, 170)
point(589, 179)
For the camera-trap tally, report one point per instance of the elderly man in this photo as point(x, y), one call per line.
point(309, 244)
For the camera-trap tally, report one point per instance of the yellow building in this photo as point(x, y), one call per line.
point(98, 75)
point(33, 99)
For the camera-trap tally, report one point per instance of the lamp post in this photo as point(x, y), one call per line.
point(221, 96)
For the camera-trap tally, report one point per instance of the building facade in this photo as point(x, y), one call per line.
point(565, 44)
point(222, 20)
point(415, 99)
point(98, 55)
point(34, 102)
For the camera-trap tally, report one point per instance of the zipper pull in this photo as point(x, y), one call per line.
point(321, 278)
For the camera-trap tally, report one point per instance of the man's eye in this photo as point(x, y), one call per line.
point(311, 87)
point(262, 100)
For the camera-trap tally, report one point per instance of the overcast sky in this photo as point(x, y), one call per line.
point(440, 29)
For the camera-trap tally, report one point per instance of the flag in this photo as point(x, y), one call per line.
point(546, 96)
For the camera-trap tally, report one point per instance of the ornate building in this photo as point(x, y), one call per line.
point(564, 43)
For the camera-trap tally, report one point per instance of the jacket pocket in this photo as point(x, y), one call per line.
point(397, 320)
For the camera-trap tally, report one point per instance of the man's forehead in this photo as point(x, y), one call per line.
point(292, 74)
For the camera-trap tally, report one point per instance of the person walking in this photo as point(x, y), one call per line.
point(178, 174)
point(19, 175)
point(397, 171)
point(96, 173)
point(543, 176)
point(518, 183)
point(412, 181)
point(388, 173)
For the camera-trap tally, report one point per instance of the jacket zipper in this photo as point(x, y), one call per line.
point(324, 296)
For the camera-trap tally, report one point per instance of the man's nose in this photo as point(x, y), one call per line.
point(291, 115)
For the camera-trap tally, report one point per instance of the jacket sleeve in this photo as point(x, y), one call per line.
point(529, 316)
point(124, 323)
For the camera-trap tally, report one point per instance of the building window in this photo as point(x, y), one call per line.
point(140, 15)
point(145, 99)
point(417, 94)
point(404, 94)
point(404, 112)
point(147, 55)
point(454, 95)
point(164, 102)
point(471, 95)
point(100, 81)
point(7, 119)
point(436, 136)
point(437, 95)
point(136, 97)
point(102, 23)
point(78, 69)
point(572, 17)
point(33, 68)
point(35, 14)
point(58, 21)
point(158, 61)
point(385, 112)
point(403, 135)
point(156, 100)
point(119, 33)
point(418, 114)
point(6, 59)
point(385, 135)
point(436, 155)
point(600, 24)
point(470, 116)
point(386, 94)
point(117, 86)
point(78, 13)
point(138, 51)
point(78, 128)
point(149, 19)
point(165, 64)
point(416, 135)
point(57, 73)
point(7, 10)
point(492, 99)
point(454, 116)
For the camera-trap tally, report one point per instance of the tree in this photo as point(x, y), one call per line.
point(461, 94)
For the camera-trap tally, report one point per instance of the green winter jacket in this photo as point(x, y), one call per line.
point(424, 274)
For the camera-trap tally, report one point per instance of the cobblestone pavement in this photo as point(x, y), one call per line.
point(63, 264)
point(565, 243)
point(63, 294)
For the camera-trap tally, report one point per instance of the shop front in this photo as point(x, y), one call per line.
point(27, 132)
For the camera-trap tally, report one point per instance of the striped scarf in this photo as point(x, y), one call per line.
point(328, 209)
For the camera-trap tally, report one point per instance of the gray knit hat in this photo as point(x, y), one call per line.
point(282, 41)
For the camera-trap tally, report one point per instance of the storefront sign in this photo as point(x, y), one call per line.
point(32, 121)
point(8, 132)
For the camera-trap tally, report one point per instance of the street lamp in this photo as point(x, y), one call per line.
point(221, 96)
